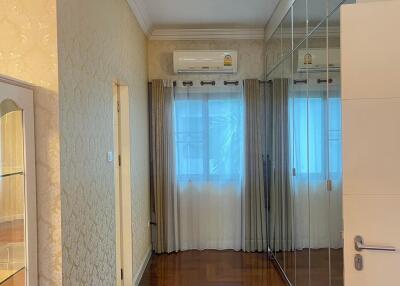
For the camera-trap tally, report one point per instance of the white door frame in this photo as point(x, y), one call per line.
point(122, 179)
point(22, 94)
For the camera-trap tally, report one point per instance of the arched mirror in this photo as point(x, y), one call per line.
point(17, 187)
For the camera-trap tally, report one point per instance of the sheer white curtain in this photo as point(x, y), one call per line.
point(208, 143)
point(315, 124)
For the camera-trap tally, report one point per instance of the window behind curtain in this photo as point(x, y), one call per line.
point(209, 134)
point(316, 145)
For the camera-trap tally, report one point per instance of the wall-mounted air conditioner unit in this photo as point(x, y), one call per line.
point(205, 61)
point(314, 60)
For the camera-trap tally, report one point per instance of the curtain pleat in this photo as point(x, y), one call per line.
point(281, 209)
point(254, 221)
point(163, 172)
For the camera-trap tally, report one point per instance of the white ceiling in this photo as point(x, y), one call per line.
point(202, 13)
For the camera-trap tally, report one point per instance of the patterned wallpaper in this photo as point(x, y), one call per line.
point(29, 53)
point(99, 42)
point(250, 54)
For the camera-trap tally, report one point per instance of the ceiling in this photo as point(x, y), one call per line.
point(182, 14)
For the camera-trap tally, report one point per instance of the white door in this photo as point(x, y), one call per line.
point(371, 140)
point(122, 168)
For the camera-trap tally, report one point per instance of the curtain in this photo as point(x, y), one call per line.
point(316, 144)
point(162, 165)
point(254, 216)
point(281, 200)
point(209, 166)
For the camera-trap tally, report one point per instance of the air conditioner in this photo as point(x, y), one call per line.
point(205, 61)
point(314, 60)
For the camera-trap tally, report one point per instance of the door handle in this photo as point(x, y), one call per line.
point(359, 246)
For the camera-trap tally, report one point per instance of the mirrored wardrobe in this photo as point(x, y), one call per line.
point(305, 175)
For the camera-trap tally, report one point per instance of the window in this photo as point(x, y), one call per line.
point(316, 135)
point(209, 136)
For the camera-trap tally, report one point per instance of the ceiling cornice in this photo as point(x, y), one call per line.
point(139, 10)
point(207, 34)
point(318, 33)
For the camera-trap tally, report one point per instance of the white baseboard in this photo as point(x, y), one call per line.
point(143, 266)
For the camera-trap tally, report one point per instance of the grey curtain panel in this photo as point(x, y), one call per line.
point(281, 200)
point(162, 164)
point(254, 220)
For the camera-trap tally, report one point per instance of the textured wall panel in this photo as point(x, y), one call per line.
point(100, 42)
point(28, 51)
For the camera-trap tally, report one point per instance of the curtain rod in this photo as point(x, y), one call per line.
point(211, 82)
point(297, 81)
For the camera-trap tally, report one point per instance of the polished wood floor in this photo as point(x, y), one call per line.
point(211, 268)
point(302, 266)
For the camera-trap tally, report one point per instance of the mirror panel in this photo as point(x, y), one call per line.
point(316, 13)
point(276, 209)
point(318, 157)
point(287, 45)
point(335, 152)
point(299, 147)
point(274, 50)
point(305, 207)
point(299, 21)
point(289, 250)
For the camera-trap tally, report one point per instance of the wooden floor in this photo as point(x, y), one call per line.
point(216, 268)
point(320, 271)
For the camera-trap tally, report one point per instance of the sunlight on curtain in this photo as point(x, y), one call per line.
point(315, 123)
point(209, 166)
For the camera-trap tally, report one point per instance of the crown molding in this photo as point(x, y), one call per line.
point(139, 10)
point(300, 33)
point(207, 34)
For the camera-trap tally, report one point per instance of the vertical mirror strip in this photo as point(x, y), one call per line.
point(305, 194)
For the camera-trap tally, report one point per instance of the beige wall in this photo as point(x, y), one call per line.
point(100, 42)
point(250, 52)
point(28, 52)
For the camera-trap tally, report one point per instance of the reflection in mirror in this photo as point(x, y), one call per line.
point(300, 162)
point(335, 151)
point(318, 150)
point(305, 187)
point(317, 12)
point(279, 183)
point(334, 4)
point(274, 49)
point(288, 237)
point(299, 21)
point(12, 201)
point(287, 34)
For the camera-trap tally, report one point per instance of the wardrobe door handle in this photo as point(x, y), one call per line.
point(359, 246)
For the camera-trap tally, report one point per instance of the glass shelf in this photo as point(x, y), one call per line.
point(11, 174)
